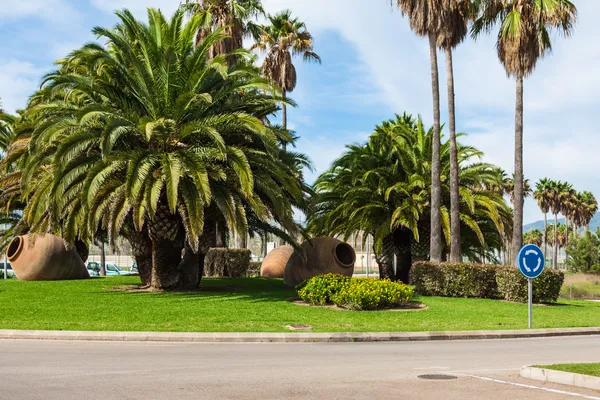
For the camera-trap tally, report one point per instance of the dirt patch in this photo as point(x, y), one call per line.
point(407, 307)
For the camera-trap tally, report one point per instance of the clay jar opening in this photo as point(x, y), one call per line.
point(14, 248)
point(344, 255)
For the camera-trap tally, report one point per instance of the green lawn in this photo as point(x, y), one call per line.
point(252, 304)
point(584, 369)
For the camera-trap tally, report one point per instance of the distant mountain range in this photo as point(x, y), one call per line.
point(594, 224)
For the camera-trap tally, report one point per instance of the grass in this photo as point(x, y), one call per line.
point(581, 286)
point(584, 369)
point(252, 304)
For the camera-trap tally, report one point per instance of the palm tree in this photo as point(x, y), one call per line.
point(558, 193)
point(589, 208)
point(543, 195)
point(284, 38)
point(524, 37)
point(453, 32)
point(233, 17)
point(426, 19)
point(157, 141)
point(381, 188)
point(533, 237)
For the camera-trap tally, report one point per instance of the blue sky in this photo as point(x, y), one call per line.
point(372, 68)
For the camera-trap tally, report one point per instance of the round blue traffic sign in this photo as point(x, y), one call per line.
point(531, 261)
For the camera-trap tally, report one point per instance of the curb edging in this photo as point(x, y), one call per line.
point(292, 337)
point(561, 377)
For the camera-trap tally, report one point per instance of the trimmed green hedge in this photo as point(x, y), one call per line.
point(546, 287)
point(483, 281)
point(355, 293)
point(228, 263)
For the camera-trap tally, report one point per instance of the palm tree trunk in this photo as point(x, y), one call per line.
point(435, 250)
point(517, 240)
point(102, 260)
point(455, 255)
point(284, 115)
point(402, 244)
point(545, 234)
point(555, 253)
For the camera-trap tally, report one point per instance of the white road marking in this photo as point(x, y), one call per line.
point(529, 386)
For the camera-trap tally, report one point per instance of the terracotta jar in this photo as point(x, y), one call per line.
point(44, 259)
point(274, 263)
point(319, 256)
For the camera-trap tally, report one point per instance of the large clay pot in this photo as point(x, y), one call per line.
point(46, 259)
point(321, 256)
point(274, 263)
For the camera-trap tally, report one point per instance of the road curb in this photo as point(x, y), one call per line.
point(561, 377)
point(295, 337)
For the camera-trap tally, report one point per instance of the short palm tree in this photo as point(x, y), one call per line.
point(543, 195)
point(382, 188)
point(156, 137)
point(523, 38)
point(282, 39)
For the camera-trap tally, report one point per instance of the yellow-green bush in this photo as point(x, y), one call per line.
point(354, 293)
point(372, 294)
point(319, 289)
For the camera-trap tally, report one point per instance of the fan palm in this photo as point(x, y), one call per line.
point(454, 29)
point(535, 237)
point(426, 18)
point(232, 17)
point(523, 38)
point(282, 39)
point(159, 135)
point(589, 208)
point(543, 195)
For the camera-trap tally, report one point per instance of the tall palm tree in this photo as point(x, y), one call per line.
point(558, 193)
point(453, 31)
point(282, 39)
point(533, 237)
point(524, 37)
point(589, 208)
point(233, 17)
point(542, 193)
point(426, 19)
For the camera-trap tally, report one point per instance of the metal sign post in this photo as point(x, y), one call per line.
point(530, 301)
point(531, 264)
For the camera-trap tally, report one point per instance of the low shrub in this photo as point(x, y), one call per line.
point(455, 280)
point(254, 269)
point(354, 293)
point(483, 281)
point(228, 263)
point(319, 289)
point(513, 285)
point(372, 294)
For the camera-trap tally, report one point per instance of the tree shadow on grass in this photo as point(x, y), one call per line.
point(242, 289)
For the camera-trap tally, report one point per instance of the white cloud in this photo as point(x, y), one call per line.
point(137, 7)
point(559, 97)
point(18, 80)
point(50, 10)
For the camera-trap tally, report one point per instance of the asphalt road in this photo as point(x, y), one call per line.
point(488, 369)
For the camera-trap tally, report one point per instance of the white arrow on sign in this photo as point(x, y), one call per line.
point(539, 263)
